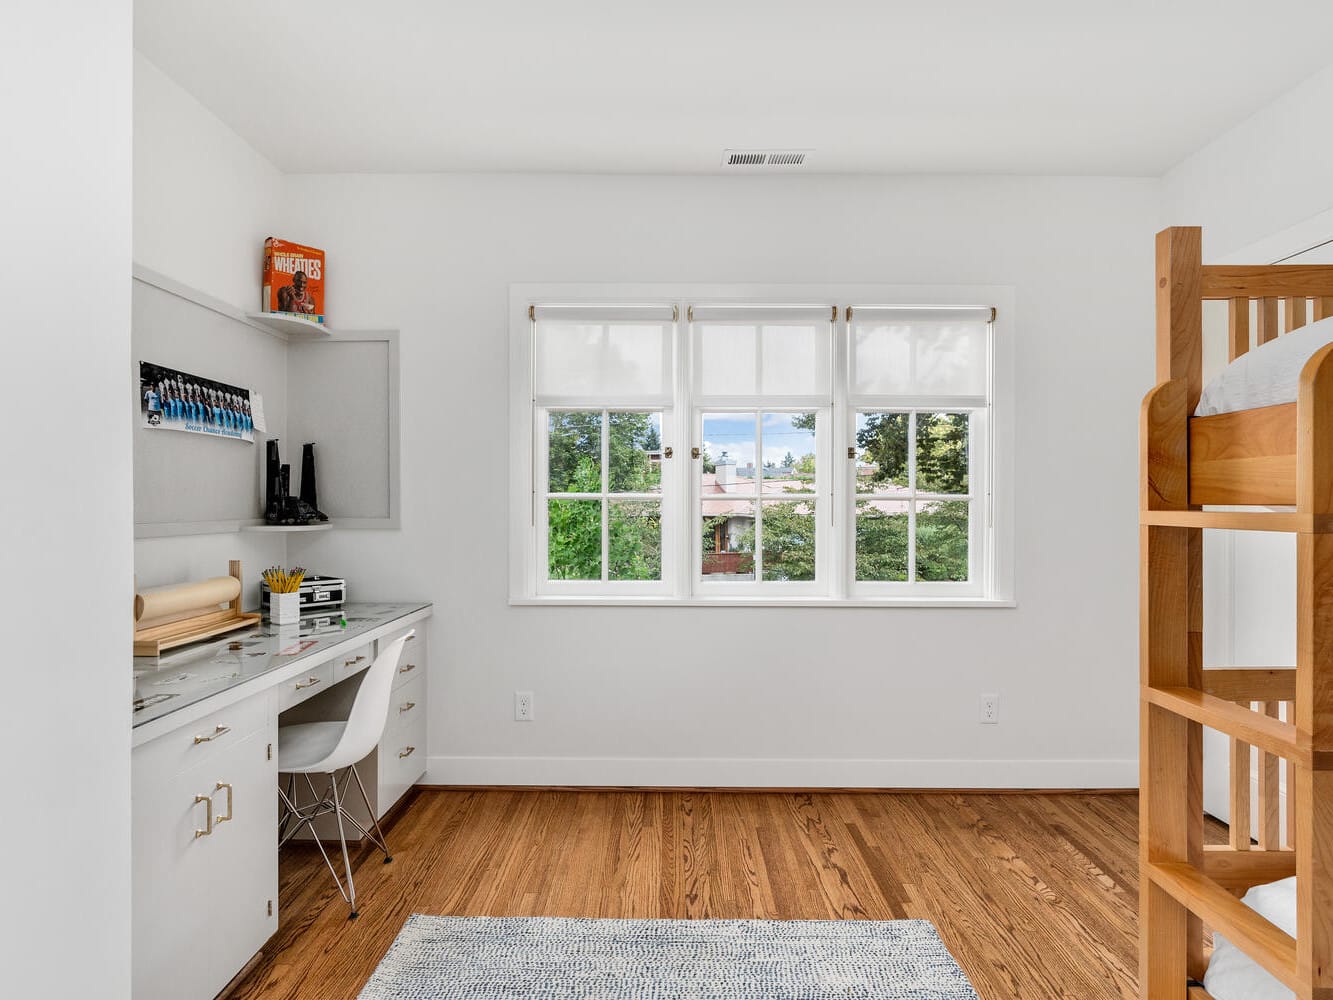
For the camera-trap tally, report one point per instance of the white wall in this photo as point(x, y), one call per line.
point(1269, 173)
point(757, 696)
point(204, 201)
point(65, 77)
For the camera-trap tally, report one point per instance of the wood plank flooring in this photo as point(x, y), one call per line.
point(1035, 894)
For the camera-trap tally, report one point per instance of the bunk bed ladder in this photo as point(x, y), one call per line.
point(1184, 884)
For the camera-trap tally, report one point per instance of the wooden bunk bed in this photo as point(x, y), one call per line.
point(1272, 456)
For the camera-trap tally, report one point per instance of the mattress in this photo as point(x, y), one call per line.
point(1266, 376)
point(1233, 975)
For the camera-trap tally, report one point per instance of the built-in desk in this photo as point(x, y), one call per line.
point(205, 772)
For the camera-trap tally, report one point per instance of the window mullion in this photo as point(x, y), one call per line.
point(911, 494)
point(685, 477)
point(606, 489)
point(758, 492)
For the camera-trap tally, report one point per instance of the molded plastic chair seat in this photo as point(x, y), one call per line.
point(328, 747)
point(303, 749)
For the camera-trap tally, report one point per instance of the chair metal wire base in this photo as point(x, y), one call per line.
point(297, 818)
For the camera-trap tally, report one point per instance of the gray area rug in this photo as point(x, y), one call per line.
point(556, 958)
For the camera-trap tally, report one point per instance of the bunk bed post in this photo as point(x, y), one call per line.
point(1171, 624)
point(1313, 794)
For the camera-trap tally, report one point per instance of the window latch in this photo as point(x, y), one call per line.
point(694, 453)
point(851, 452)
point(667, 452)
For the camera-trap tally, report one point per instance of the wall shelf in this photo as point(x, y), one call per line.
point(324, 526)
point(289, 324)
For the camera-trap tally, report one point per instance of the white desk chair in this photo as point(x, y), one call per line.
point(328, 747)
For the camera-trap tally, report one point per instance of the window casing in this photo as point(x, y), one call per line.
point(813, 503)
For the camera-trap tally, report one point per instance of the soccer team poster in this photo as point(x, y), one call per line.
point(177, 401)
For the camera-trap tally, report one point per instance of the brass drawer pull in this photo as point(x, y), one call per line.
point(309, 682)
point(407, 668)
point(352, 663)
point(219, 731)
point(221, 786)
point(410, 637)
point(407, 707)
point(406, 753)
point(208, 806)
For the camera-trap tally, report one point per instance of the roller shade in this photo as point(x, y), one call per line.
point(616, 354)
point(920, 351)
point(753, 351)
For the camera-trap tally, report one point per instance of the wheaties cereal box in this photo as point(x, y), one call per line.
point(293, 279)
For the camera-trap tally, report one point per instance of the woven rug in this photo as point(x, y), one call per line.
point(555, 958)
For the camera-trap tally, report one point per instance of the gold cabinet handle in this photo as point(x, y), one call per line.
point(309, 683)
point(221, 786)
point(406, 753)
point(407, 706)
point(407, 667)
point(352, 663)
point(219, 731)
point(207, 800)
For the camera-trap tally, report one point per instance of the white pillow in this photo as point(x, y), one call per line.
point(1266, 376)
point(1233, 975)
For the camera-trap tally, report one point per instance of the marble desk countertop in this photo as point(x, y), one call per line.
point(181, 677)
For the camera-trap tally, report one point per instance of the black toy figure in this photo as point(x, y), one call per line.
point(280, 507)
point(308, 474)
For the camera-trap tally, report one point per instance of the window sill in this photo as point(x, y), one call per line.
point(761, 602)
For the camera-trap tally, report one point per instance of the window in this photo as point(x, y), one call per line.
point(711, 447)
point(918, 406)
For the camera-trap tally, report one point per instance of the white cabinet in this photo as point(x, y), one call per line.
point(205, 870)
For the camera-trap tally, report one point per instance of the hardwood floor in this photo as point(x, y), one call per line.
point(1035, 895)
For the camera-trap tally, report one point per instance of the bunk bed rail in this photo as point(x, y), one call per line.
point(1249, 457)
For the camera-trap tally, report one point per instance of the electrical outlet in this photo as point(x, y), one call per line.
point(523, 706)
point(990, 709)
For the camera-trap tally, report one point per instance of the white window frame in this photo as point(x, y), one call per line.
point(991, 477)
point(704, 588)
point(605, 586)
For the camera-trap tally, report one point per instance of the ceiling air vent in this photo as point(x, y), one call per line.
point(764, 159)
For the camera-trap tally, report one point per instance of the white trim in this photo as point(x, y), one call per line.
point(1290, 241)
point(522, 498)
point(148, 276)
point(394, 520)
point(753, 601)
point(772, 772)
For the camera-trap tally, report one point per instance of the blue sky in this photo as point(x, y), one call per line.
point(734, 434)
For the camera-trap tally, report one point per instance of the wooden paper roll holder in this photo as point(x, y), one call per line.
point(153, 640)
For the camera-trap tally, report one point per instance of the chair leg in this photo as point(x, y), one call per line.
point(306, 816)
point(342, 838)
point(379, 838)
point(289, 811)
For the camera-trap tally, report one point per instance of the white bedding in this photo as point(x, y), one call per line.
point(1233, 975)
point(1266, 376)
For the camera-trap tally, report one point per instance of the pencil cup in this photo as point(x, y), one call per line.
point(284, 609)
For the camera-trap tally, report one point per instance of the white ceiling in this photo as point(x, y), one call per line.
point(928, 86)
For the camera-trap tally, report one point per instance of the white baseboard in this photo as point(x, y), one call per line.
point(655, 772)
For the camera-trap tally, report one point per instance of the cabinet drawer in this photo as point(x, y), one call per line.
point(198, 742)
point(305, 685)
point(412, 664)
point(408, 705)
point(402, 761)
point(352, 662)
point(408, 670)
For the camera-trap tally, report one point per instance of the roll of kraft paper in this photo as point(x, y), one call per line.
point(161, 605)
